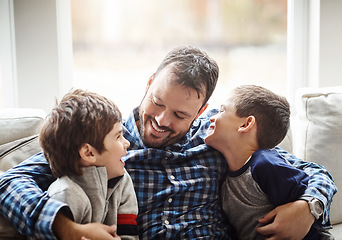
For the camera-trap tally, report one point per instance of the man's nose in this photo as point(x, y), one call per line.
point(163, 119)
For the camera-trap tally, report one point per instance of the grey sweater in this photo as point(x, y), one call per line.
point(91, 199)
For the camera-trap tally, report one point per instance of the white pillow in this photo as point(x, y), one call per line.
point(318, 134)
point(17, 123)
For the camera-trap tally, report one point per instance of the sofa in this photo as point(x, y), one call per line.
point(315, 135)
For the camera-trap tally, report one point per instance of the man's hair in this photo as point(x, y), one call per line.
point(194, 69)
point(271, 111)
point(81, 117)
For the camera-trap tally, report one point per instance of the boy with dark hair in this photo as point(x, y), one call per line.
point(250, 124)
point(82, 141)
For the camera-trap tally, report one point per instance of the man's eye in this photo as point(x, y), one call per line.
point(155, 103)
point(177, 116)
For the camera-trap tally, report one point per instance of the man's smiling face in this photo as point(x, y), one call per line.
point(167, 110)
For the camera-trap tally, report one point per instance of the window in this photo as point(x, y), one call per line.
point(118, 44)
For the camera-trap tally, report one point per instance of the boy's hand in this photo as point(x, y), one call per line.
point(98, 231)
point(289, 221)
point(64, 228)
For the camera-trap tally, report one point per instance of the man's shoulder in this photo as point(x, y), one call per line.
point(203, 121)
point(208, 114)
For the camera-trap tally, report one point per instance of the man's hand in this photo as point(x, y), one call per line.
point(64, 228)
point(289, 221)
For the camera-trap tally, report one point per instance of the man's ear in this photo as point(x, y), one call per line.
point(87, 154)
point(202, 110)
point(149, 82)
point(248, 124)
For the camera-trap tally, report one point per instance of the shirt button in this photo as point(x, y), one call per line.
point(170, 200)
point(172, 177)
point(166, 222)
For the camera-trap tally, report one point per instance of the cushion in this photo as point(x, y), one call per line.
point(287, 143)
point(337, 231)
point(318, 134)
point(16, 123)
point(13, 153)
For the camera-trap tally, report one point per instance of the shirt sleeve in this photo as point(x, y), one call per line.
point(25, 201)
point(127, 212)
point(279, 180)
point(321, 184)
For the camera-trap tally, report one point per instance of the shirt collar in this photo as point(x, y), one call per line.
point(113, 181)
point(132, 134)
point(198, 130)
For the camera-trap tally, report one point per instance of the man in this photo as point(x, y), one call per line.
point(176, 176)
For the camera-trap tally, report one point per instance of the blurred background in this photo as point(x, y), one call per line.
point(118, 45)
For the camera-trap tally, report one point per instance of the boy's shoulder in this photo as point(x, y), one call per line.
point(267, 157)
point(65, 186)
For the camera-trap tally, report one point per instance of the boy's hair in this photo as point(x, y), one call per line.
point(271, 111)
point(194, 69)
point(81, 117)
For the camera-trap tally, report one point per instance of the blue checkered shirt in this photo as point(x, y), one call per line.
point(178, 188)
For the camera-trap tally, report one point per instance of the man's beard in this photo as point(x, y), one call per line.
point(160, 143)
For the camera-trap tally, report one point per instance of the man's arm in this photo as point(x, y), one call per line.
point(295, 219)
point(321, 185)
point(24, 200)
point(289, 221)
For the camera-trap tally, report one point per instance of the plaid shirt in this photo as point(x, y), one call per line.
point(178, 188)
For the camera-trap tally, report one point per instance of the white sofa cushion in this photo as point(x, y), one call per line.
point(19, 123)
point(318, 134)
point(13, 153)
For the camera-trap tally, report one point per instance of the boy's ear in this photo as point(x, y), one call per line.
point(248, 124)
point(87, 154)
point(149, 82)
point(202, 110)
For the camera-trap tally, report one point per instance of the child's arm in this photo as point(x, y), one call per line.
point(279, 180)
point(295, 219)
point(127, 211)
point(69, 230)
point(283, 184)
point(321, 184)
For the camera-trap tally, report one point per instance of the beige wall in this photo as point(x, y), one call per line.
point(330, 54)
point(41, 55)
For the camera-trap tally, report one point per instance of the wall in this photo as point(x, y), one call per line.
point(42, 52)
point(330, 61)
point(36, 52)
point(7, 56)
point(314, 44)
